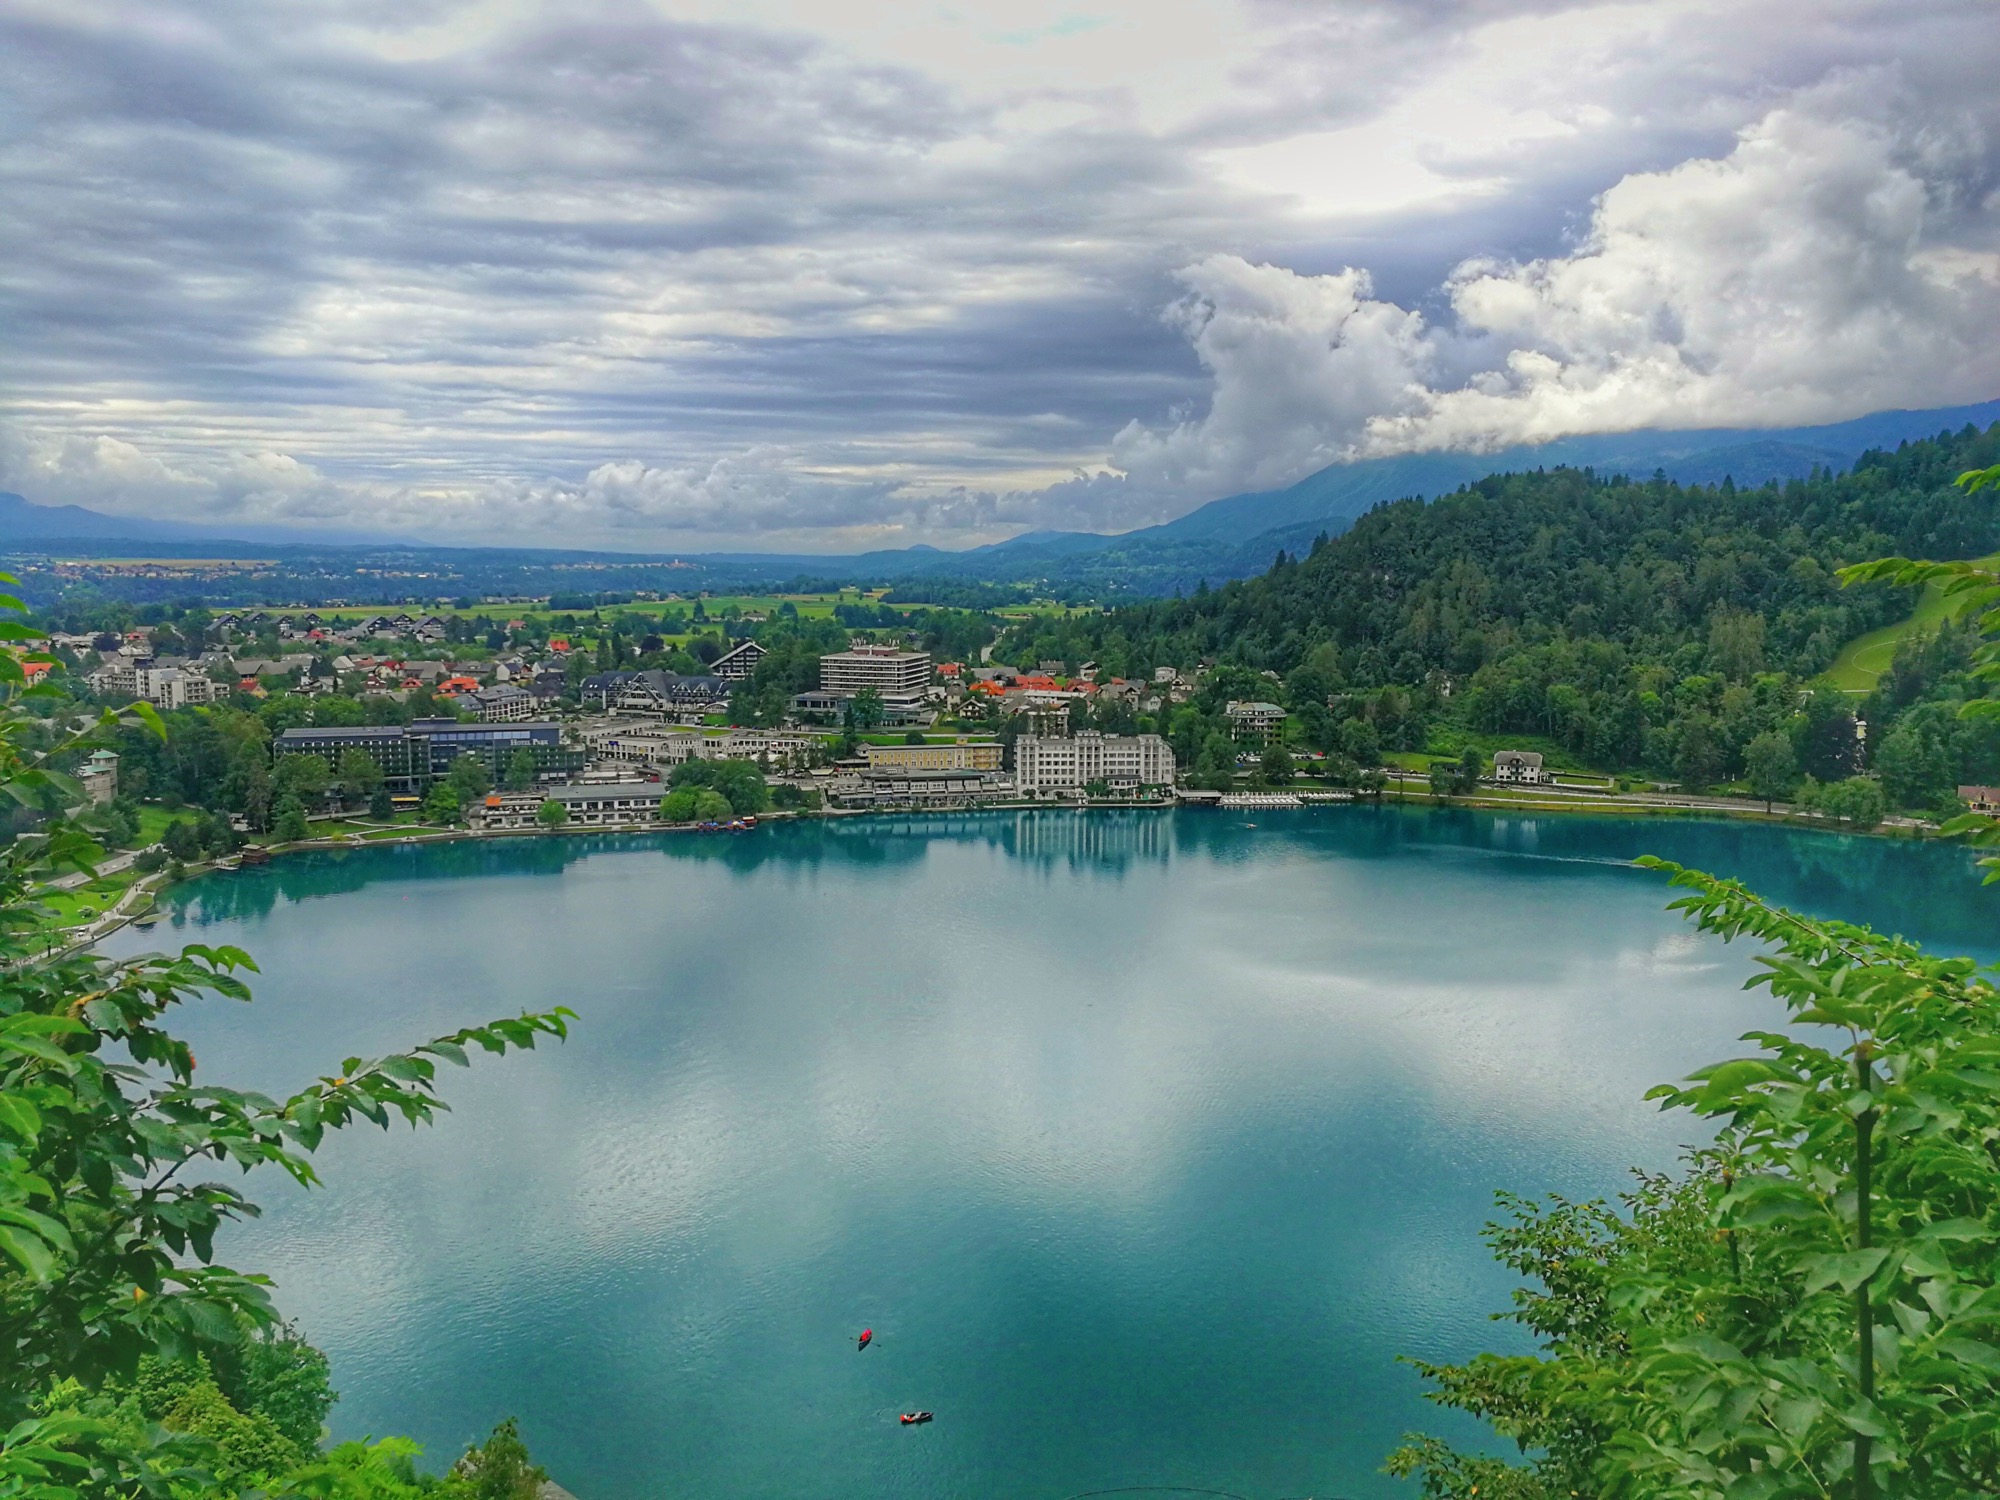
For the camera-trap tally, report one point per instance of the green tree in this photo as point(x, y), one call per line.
point(695, 803)
point(469, 778)
point(1215, 766)
point(552, 814)
point(1275, 764)
point(865, 711)
point(741, 782)
point(1857, 800)
point(520, 771)
point(381, 806)
point(358, 775)
point(1915, 767)
point(276, 1374)
point(290, 821)
point(500, 1468)
point(1360, 741)
point(441, 803)
point(305, 777)
point(1771, 765)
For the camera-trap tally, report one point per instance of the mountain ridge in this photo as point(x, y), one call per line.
point(1231, 537)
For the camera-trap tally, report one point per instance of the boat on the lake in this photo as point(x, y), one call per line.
point(915, 1418)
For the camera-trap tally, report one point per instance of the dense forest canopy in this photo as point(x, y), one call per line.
point(1522, 560)
point(1632, 622)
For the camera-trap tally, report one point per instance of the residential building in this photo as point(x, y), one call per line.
point(1256, 721)
point(739, 663)
point(964, 755)
point(502, 703)
point(654, 692)
point(117, 678)
point(173, 687)
point(1519, 768)
point(250, 666)
point(167, 687)
point(887, 669)
point(1980, 799)
point(1046, 765)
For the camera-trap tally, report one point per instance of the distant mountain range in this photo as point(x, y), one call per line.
point(1238, 536)
point(1233, 537)
point(22, 520)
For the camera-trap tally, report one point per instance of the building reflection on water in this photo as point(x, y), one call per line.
point(1905, 886)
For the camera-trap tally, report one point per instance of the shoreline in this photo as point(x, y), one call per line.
point(154, 884)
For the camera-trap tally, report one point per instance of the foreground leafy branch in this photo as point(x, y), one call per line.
point(108, 1209)
point(1814, 1308)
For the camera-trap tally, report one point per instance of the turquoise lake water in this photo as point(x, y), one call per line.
point(1145, 1142)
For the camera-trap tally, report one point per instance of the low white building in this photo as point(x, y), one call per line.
point(1049, 765)
point(614, 804)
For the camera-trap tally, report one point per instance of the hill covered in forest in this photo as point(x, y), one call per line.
point(1633, 622)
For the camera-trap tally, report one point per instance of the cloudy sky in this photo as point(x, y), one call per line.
point(824, 274)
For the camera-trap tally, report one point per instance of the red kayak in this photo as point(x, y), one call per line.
point(866, 1335)
point(915, 1418)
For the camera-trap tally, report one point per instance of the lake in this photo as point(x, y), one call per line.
point(1145, 1142)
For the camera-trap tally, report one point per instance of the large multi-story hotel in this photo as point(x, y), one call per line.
point(892, 672)
point(1045, 763)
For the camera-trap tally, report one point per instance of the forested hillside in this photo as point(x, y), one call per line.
point(1633, 622)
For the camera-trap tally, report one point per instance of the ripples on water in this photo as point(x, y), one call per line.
point(1145, 1142)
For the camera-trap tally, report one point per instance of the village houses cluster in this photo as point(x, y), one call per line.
point(603, 743)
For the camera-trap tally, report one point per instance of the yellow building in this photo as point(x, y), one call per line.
point(963, 756)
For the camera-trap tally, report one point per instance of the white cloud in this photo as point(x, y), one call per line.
point(1837, 260)
point(72, 469)
point(1300, 363)
point(1812, 274)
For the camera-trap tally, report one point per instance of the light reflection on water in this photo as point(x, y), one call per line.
point(1145, 1141)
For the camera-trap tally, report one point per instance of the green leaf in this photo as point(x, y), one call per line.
point(1847, 1268)
point(19, 1118)
point(1971, 1352)
point(29, 1251)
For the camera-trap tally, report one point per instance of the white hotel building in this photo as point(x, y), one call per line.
point(891, 672)
point(1045, 764)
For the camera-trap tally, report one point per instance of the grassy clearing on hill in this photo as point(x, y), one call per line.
point(1866, 657)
